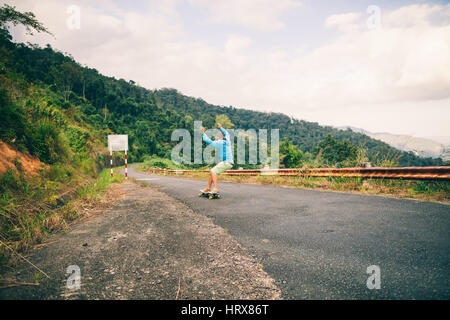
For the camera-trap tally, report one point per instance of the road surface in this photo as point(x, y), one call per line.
point(318, 245)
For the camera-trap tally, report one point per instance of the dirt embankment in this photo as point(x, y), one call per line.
point(11, 158)
point(147, 246)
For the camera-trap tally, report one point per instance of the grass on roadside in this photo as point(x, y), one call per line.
point(30, 211)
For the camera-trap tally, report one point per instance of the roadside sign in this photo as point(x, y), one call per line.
point(118, 142)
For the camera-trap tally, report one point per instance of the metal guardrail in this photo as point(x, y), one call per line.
point(409, 173)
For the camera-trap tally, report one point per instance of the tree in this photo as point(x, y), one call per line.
point(10, 15)
point(65, 76)
point(145, 138)
point(290, 156)
point(224, 121)
point(335, 152)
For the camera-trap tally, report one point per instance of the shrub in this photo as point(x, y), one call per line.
point(9, 181)
point(291, 156)
point(77, 139)
point(12, 121)
point(45, 142)
point(157, 162)
point(337, 153)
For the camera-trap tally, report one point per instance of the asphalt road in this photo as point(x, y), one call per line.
point(318, 245)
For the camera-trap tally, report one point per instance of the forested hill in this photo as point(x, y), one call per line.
point(107, 105)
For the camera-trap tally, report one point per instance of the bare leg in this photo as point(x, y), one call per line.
point(210, 180)
point(214, 180)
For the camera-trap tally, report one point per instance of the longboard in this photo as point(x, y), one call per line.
point(209, 195)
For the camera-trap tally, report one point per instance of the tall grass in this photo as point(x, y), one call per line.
point(31, 211)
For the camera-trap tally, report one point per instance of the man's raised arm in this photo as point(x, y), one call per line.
point(224, 131)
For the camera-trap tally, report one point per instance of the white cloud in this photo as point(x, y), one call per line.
point(392, 63)
point(236, 43)
point(344, 22)
point(413, 16)
point(396, 78)
point(256, 14)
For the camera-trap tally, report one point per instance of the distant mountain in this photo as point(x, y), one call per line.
point(421, 147)
point(441, 139)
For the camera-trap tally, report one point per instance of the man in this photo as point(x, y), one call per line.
point(223, 146)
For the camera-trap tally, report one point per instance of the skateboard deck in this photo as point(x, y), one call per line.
point(209, 195)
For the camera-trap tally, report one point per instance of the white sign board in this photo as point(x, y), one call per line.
point(118, 142)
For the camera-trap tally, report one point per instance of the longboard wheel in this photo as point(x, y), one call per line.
point(199, 194)
point(218, 196)
point(210, 197)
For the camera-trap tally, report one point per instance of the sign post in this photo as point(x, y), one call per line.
point(118, 142)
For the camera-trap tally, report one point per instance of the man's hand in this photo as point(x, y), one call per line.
point(219, 126)
point(203, 129)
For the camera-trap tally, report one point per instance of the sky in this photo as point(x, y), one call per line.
point(383, 66)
